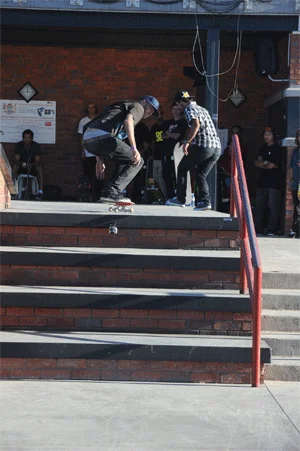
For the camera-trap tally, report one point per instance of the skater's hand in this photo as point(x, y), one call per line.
point(185, 148)
point(136, 156)
point(100, 168)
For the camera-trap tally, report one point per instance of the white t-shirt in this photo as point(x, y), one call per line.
point(82, 123)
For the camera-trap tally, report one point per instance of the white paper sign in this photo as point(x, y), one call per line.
point(18, 115)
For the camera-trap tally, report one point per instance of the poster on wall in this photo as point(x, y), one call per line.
point(18, 115)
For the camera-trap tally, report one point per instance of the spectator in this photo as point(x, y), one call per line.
point(201, 148)
point(28, 160)
point(268, 161)
point(157, 131)
point(143, 142)
point(224, 174)
point(295, 165)
point(104, 137)
point(88, 159)
point(175, 132)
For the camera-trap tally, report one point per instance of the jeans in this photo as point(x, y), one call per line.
point(158, 177)
point(116, 150)
point(169, 175)
point(204, 159)
point(267, 197)
point(296, 214)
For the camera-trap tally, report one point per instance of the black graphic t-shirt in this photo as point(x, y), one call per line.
point(270, 178)
point(163, 146)
point(112, 118)
point(27, 154)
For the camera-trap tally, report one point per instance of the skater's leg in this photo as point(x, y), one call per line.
point(207, 161)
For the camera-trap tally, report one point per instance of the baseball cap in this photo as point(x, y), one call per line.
point(182, 95)
point(153, 102)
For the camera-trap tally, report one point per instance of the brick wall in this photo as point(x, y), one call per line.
point(74, 76)
point(5, 197)
point(295, 58)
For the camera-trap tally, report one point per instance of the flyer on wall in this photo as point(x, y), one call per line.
point(18, 115)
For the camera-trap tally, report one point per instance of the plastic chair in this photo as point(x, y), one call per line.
point(33, 185)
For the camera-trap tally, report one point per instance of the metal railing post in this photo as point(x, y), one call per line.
point(233, 176)
point(257, 304)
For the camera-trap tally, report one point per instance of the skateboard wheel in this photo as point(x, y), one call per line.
point(110, 209)
point(131, 210)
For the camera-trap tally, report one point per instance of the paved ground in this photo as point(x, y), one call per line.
point(280, 255)
point(99, 416)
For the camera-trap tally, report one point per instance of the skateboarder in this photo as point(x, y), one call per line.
point(201, 148)
point(104, 136)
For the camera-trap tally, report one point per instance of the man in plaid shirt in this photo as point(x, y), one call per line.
point(201, 148)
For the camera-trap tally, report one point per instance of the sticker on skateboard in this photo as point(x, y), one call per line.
point(126, 207)
point(178, 155)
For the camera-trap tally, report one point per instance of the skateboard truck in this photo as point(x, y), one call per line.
point(113, 229)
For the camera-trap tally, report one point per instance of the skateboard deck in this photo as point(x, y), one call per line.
point(122, 206)
point(178, 155)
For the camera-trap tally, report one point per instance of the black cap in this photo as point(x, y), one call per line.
point(182, 95)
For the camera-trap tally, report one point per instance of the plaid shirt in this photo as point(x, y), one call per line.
point(206, 135)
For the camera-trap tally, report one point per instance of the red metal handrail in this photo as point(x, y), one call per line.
point(250, 265)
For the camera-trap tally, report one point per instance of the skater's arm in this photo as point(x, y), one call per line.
point(100, 168)
point(190, 134)
point(129, 127)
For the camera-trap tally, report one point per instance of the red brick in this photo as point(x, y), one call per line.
point(163, 365)
point(9, 321)
point(234, 378)
point(25, 374)
point(146, 376)
point(205, 377)
point(242, 316)
point(99, 231)
point(193, 366)
point(7, 363)
point(144, 323)
point(114, 375)
point(227, 234)
point(153, 232)
point(65, 275)
point(194, 243)
point(204, 233)
point(32, 321)
point(7, 229)
point(178, 233)
point(131, 364)
point(2, 310)
point(86, 374)
point(101, 364)
point(105, 313)
point(90, 241)
point(19, 311)
point(60, 322)
point(48, 312)
point(56, 374)
point(218, 315)
point(78, 312)
point(71, 363)
point(170, 314)
point(41, 240)
point(227, 325)
point(247, 326)
point(77, 231)
point(41, 363)
point(133, 313)
point(115, 322)
point(216, 243)
point(171, 324)
point(4, 374)
point(27, 230)
point(188, 314)
point(52, 230)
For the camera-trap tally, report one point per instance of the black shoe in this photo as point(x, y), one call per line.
point(39, 196)
point(113, 198)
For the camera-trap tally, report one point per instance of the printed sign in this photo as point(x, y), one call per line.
point(18, 115)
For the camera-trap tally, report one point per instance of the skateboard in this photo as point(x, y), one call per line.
point(178, 155)
point(126, 207)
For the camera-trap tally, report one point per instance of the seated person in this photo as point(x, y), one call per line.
point(28, 160)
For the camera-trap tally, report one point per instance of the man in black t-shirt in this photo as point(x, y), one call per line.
point(104, 137)
point(157, 132)
point(28, 159)
point(175, 132)
point(268, 186)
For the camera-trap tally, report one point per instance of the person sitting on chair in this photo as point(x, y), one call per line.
point(28, 160)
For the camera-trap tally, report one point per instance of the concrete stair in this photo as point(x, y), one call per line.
point(281, 330)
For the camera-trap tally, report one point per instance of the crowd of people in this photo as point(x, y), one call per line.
point(116, 137)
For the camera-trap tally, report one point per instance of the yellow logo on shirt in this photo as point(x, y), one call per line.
point(158, 136)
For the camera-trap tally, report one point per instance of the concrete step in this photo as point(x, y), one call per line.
point(151, 226)
point(281, 280)
point(176, 358)
point(281, 320)
point(283, 343)
point(279, 299)
point(152, 268)
point(127, 309)
point(283, 369)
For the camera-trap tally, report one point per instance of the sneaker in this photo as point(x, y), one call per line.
point(271, 234)
point(112, 199)
point(203, 206)
point(292, 234)
point(39, 196)
point(174, 202)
